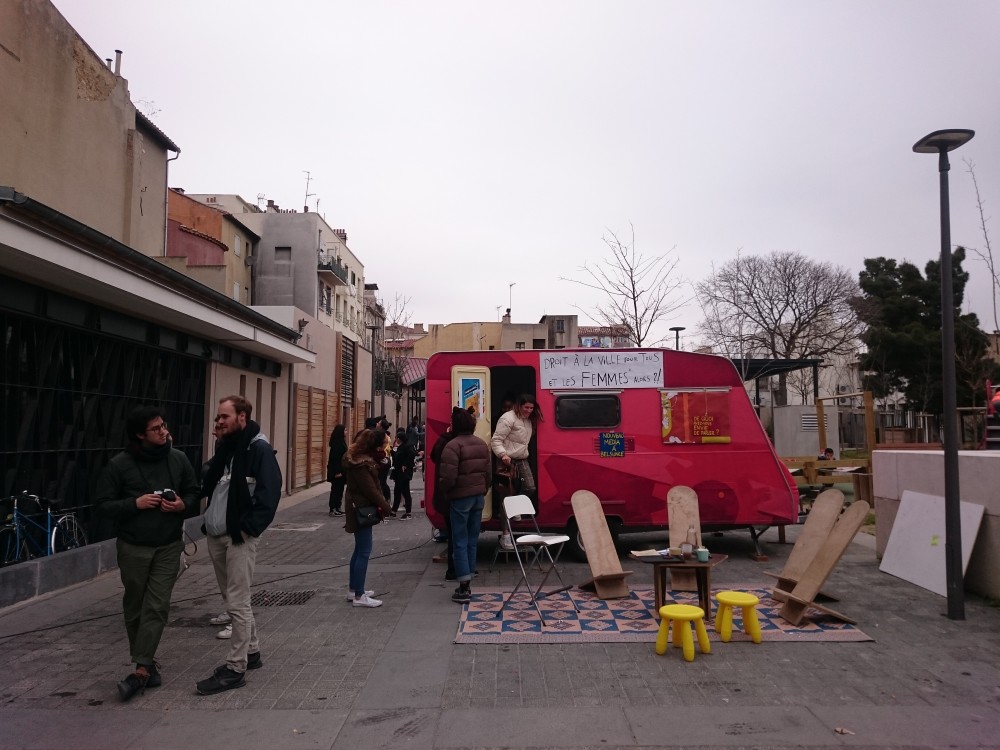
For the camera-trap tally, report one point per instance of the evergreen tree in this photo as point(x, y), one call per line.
point(902, 311)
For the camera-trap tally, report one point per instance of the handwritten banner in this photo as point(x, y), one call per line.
point(695, 416)
point(595, 371)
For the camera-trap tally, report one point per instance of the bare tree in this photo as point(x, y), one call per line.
point(723, 308)
point(393, 359)
point(986, 255)
point(639, 291)
point(781, 306)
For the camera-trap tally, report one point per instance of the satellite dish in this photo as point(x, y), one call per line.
point(251, 260)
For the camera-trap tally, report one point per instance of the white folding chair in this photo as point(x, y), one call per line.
point(518, 507)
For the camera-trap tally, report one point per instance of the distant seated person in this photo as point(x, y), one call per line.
point(826, 455)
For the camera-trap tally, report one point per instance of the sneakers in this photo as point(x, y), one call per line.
point(223, 679)
point(222, 619)
point(350, 594)
point(366, 601)
point(336, 512)
point(406, 517)
point(225, 634)
point(155, 680)
point(506, 542)
point(134, 683)
point(463, 594)
point(442, 558)
point(254, 661)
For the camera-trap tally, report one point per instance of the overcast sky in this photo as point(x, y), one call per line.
point(465, 146)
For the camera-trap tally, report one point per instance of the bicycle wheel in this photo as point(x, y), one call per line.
point(8, 545)
point(68, 534)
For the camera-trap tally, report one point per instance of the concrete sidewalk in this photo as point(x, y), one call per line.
point(339, 677)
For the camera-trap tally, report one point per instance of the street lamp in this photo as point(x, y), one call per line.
point(940, 142)
point(677, 335)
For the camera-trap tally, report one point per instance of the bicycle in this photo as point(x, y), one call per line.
point(23, 538)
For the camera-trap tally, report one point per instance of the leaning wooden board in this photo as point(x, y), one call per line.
point(682, 514)
point(804, 594)
point(817, 527)
point(608, 577)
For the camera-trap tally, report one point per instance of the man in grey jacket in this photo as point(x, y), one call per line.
point(243, 484)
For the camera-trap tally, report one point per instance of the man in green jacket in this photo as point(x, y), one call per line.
point(148, 489)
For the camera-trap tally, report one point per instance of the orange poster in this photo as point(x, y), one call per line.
point(695, 416)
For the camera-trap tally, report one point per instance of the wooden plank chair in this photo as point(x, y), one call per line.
point(816, 528)
point(608, 580)
point(804, 594)
point(682, 514)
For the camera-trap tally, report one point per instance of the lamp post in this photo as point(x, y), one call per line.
point(677, 335)
point(940, 142)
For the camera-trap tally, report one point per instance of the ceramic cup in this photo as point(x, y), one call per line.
point(702, 554)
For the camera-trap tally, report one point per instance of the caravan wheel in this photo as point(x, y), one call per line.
point(575, 546)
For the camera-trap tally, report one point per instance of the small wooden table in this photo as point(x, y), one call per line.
point(702, 572)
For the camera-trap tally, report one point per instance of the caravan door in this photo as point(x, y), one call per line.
point(470, 387)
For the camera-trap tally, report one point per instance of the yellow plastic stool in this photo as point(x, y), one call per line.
point(681, 615)
point(724, 616)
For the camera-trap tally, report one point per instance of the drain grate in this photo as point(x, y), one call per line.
point(280, 598)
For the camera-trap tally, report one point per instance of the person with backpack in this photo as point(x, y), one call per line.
point(243, 486)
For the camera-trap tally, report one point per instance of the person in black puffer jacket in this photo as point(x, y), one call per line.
point(335, 470)
point(148, 489)
point(403, 457)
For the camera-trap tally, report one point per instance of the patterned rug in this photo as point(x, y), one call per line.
point(622, 620)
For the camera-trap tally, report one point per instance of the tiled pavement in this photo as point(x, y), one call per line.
point(340, 677)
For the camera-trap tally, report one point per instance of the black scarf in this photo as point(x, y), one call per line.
point(232, 448)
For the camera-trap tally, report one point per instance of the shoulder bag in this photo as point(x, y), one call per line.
point(366, 516)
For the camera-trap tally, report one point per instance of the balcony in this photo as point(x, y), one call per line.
point(330, 270)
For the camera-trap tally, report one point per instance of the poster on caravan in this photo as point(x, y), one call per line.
point(472, 396)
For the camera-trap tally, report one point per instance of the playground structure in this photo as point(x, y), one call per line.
point(811, 471)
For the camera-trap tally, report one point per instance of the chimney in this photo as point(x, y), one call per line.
point(305, 209)
point(506, 317)
point(418, 328)
point(342, 234)
point(108, 61)
point(118, 62)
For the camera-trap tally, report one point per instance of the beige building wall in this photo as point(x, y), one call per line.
point(214, 277)
point(458, 337)
point(66, 117)
point(523, 335)
point(270, 399)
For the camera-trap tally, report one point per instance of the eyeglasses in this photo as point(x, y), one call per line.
point(161, 427)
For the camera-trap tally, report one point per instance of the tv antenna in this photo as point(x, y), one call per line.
point(308, 194)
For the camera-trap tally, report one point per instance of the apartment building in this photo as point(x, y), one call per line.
point(96, 317)
point(306, 276)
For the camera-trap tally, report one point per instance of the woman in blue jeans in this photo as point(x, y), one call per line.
point(464, 472)
point(361, 466)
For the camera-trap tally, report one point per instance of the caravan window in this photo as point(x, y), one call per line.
point(588, 410)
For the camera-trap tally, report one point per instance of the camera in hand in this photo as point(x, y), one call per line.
point(169, 495)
